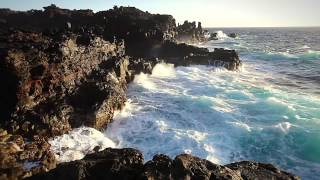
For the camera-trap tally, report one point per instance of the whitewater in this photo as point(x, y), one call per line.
point(268, 111)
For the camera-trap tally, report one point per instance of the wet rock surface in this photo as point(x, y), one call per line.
point(61, 69)
point(20, 158)
point(128, 164)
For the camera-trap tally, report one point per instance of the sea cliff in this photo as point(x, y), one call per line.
point(61, 69)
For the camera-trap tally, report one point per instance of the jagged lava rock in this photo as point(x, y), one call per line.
point(59, 84)
point(107, 164)
point(145, 34)
point(61, 69)
point(189, 32)
point(128, 164)
point(60, 72)
point(255, 170)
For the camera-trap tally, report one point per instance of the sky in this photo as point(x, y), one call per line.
point(212, 13)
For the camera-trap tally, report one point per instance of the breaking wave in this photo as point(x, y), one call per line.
point(265, 112)
point(219, 115)
point(78, 143)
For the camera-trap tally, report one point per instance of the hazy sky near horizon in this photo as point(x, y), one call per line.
point(212, 13)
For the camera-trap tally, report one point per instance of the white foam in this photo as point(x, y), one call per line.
point(281, 102)
point(78, 143)
point(284, 126)
point(144, 81)
point(242, 125)
point(221, 35)
point(305, 47)
point(126, 111)
point(287, 54)
point(196, 135)
point(163, 126)
point(188, 151)
point(211, 114)
point(163, 70)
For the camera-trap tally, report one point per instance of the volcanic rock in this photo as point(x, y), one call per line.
point(61, 69)
point(128, 164)
point(233, 35)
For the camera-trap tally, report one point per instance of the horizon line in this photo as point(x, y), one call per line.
point(95, 11)
point(263, 27)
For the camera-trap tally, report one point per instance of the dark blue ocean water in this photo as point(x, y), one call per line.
point(291, 52)
point(269, 111)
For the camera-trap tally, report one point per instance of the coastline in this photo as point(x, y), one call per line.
point(51, 81)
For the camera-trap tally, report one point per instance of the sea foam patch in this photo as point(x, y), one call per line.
point(78, 143)
point(215, 114)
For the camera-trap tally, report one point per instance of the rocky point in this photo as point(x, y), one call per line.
point(61, 69)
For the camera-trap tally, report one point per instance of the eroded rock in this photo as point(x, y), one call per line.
point(19, 159)
point(61, 69)
point(128, 164)
point(255, 170)
point(107, 164)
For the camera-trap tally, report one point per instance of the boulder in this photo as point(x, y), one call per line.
point(160, 167)
point(213, 36)
point(233, 35)
point(190, 167)
point(255, 170)
point(107, 164)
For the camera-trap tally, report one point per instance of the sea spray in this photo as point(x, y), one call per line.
point(268, 111)
point(219, 115)
point(78, 143)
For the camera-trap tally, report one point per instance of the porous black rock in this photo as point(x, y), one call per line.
point(107, 164)
point(61, 69)
point(128, 164)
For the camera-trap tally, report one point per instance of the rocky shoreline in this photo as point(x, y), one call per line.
point(128, 164)
point(61, 69)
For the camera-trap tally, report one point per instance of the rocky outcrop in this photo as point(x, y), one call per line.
point(60, 84)
point(185, 55)
point(233, 35)
point(61, 69)
point(215, 36)
point(255, 170)
point(190, 32)
point(140, 30)
point(107, 164)
point(51, 84)
point(128, 164)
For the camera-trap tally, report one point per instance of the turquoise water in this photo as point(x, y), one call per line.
point(269, 111)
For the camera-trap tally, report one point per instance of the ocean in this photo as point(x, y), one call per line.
point(268, 111)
